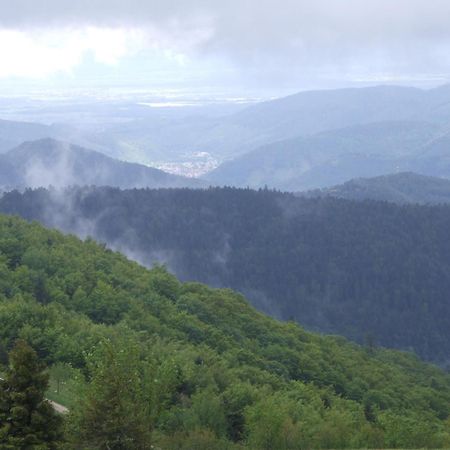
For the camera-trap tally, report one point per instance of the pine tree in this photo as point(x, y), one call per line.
point(113, 415)
point(27, 420)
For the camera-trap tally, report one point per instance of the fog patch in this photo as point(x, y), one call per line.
point(262, 302)
point(57, 173)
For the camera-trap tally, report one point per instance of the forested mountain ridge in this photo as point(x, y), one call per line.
point(136, 132)
point(169, 136)
point(330, 157)
point(215, 373)
point(335, 156)
point(404, 187)
point(48, 162)
point(371, 271)
point(311, 112)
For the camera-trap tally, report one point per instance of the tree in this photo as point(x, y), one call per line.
point(27, 420)
point(61, 372)
point(113, 414)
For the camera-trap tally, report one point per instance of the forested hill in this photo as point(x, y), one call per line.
point(338, 155)
point(49, 162)
point(372, 271)
point(405, 187)
point(207, 370)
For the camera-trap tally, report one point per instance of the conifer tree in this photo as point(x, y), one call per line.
point(27, 419)
point(113, 415)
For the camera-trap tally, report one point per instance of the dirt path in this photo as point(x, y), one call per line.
point(56, 406)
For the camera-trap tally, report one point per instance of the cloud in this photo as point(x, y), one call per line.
point(275, 39)
point(246, 24)
point(39, 53)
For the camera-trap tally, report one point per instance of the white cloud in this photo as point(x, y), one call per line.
point(40, 53)
point(265, 41)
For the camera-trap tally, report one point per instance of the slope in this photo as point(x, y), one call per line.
point(49, 162)
point(329, 158)
point(218, 373)
point(177, 135)
point(13, 133)
point(366, 270)
point(405, 187)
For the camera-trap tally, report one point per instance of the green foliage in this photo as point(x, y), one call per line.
point(112, 414)
point(66, 384)
point(27, 420)
point(198, 367)
point(196, 439)
point(302, 419)
point(375, 272)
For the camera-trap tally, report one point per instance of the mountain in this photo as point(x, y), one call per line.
point(320, 139)
point(329, 158)
point(182, 136)
point(312, 112)
point(13, 133)
point(366, 270)
point(202, 367)
point(194, 140)
point(405, 187)
point(49, 162)
point(307, 113)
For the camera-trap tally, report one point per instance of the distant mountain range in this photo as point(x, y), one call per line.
point(172, 135)
point(404, 187)
point(305, 141)
point(48, 162)
point(311, 112)
point(334, 157)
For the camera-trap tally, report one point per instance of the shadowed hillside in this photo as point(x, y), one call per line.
point(405, 187)
point(49, 162)
point(367, 270)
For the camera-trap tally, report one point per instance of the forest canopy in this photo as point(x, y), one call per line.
point(207, 370)
point(371, 271)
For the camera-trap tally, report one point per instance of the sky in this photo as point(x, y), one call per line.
point(230, 45)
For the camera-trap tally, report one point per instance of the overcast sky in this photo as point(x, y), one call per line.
point(266, 45)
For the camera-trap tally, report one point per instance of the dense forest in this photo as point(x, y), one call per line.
point(403, 187)
point(147, 360)
point(372, 271)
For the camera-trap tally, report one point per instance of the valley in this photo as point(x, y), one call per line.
point(262, 275)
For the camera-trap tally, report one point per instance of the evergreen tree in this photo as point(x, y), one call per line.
point(27, 420)
point(113, 415)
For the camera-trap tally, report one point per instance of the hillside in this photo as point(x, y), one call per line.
point(366, 270)
point(196, 139)
point(405, 187)
point(172, 135)
point(13, 133)
point(434, 159)
point(216, 374)
point(49, 162)
point(177, 136)
point(311, 112)
point(331, 157)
